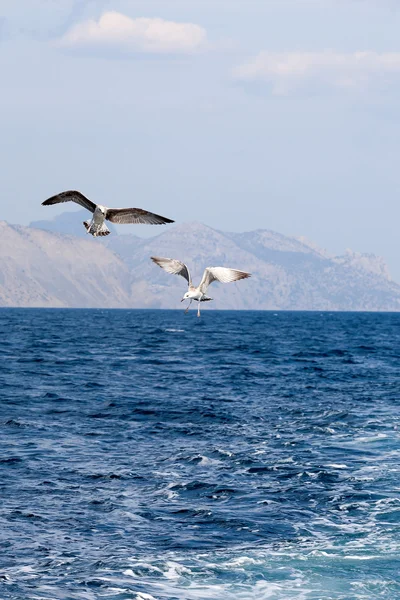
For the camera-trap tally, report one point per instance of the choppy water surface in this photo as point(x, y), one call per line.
point(243, 455)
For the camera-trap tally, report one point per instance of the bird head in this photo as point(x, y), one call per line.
point(186, 297)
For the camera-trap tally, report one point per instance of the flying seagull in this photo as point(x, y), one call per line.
point(222, 274)
point(96, 225)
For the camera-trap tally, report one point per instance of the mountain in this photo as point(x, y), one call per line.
point(40, 268)
point(287, 273)
point(44, 267)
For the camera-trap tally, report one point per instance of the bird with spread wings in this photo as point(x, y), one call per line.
point(222, 274)
point(96, 225)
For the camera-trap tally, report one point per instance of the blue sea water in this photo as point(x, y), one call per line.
point(243, 455)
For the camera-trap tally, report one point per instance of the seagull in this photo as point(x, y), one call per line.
point(222, 274)
point(96, 225)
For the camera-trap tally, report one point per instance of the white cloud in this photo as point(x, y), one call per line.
point(285, 71)
point(148, 35)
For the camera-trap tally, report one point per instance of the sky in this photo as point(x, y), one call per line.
point(241, 114)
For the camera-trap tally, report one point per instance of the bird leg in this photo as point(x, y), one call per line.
point(188, 306)
point(198, 309)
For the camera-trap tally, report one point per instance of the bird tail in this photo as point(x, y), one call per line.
point(102, 231)
point(206, 299)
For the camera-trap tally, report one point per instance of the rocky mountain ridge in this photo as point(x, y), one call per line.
point(43, 267)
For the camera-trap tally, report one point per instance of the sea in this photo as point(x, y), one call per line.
point(149, 454)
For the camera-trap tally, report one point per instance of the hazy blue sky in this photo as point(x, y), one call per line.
point(242, 114)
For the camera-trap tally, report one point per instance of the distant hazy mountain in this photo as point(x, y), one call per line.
point(40, 267)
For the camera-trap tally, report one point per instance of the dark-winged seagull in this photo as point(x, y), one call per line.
point(96, 225)
point(222, 274)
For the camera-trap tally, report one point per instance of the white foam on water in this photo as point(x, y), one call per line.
point(388, 502)
point(368, 439)
point(287, 460)
point(82, 595)
point(174, 330)
point(290, 573)
point(295, 571)
point(143, 565)
point(132, 516)
point(26, 569)
point(243, 560)
point(224, 452)
point(358, 505)
point(206, 461)
point(129, 573)
point(176, 570)
point(171, 494)
point(358, 557)
point(261, 590)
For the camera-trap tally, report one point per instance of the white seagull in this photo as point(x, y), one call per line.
point(222, 274)
point(96, 225)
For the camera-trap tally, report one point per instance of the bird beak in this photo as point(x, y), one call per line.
point(182, 299)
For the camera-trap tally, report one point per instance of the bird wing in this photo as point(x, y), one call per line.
point(71, 196)
point(222, 274)
point(171, 265)
point(134, 215)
